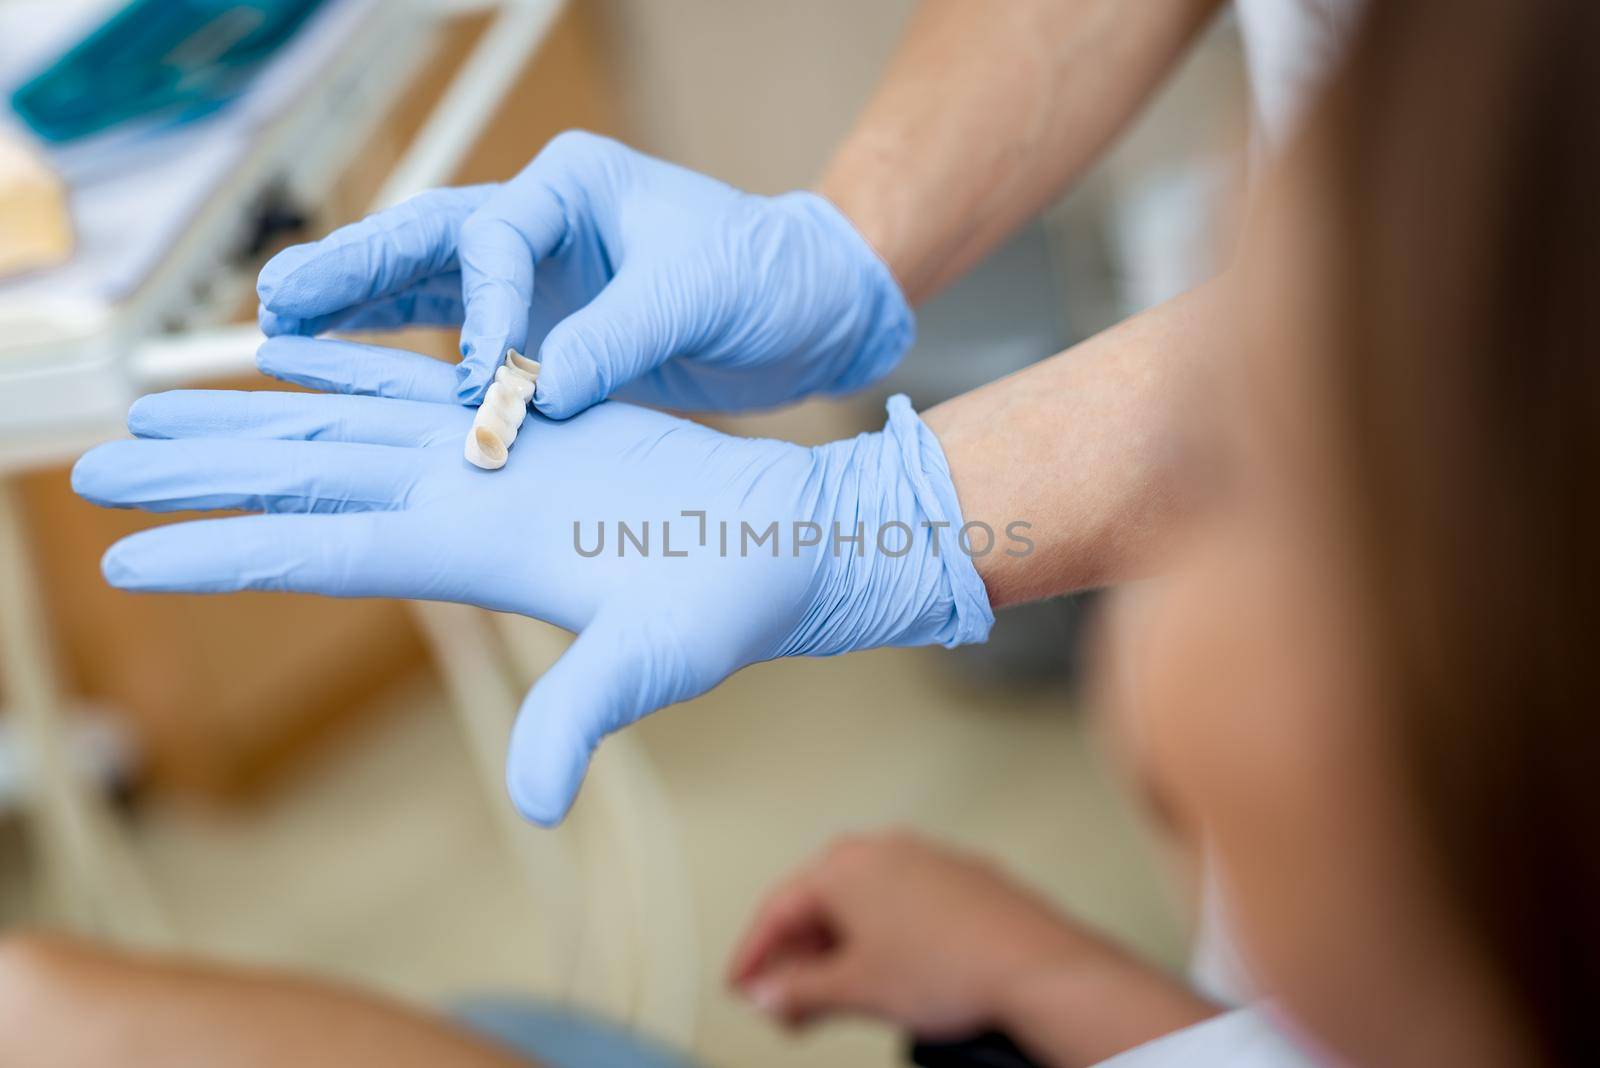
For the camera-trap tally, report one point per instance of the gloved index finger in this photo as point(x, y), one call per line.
point(379, 256)
point(350, 367)
point(432, 301)
point(259, 414)
point(516, 226)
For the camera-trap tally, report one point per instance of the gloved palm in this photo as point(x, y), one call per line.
point(626, 276)
point(376, 500)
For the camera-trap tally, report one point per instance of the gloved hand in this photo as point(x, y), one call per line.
point(623, 274)
point(370, 497)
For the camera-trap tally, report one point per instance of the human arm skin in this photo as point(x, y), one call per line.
point(987, 112)
point(668, 288)
point(64, 1002)
point(944, 945)
point(1069, 1014)
point(1077, 447)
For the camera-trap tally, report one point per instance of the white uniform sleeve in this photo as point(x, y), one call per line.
point(1291, 46)
point(1243, 1038)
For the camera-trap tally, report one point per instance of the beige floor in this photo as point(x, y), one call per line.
point(380, 863)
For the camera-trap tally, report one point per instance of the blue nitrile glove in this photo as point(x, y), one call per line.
point(370, 497)
point(623, 274)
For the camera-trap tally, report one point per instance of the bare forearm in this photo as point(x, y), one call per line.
point(1084, 1014)
point(988, 110)
point(1078, 448)
point(69, 1003)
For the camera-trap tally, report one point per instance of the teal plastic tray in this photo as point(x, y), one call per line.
point(162, 59)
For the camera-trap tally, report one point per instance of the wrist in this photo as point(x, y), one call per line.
point(866, 203)
point(1086, 1007)
point(886, 325)
point(982, 473)
point(892, 566)
point(927, 474)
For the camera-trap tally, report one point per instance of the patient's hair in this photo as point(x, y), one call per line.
point(1460, 155)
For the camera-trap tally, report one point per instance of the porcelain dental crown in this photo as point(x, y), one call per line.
point(500, 416)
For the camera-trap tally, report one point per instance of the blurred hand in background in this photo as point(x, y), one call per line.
point(893, 927)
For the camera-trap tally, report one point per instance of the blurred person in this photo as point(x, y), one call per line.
point(1362, 693)
point(636, 279)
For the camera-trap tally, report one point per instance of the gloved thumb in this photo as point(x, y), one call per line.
point(802, 989)
point(601, 683)
point(627, 330)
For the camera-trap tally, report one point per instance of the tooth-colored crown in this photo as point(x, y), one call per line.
point(500, 416)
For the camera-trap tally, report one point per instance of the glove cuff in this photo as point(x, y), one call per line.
point(928, 472)
point(889, 490)
point(890, 325)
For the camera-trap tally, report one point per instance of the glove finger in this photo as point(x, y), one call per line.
point(351, 367)
point(519, 224)
point(497, 291)
point(382, 255)
point(624, 333)
point(601, 683)
point(257, 476)
point(364, 554)
point(434, 301)
point(212, 413)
